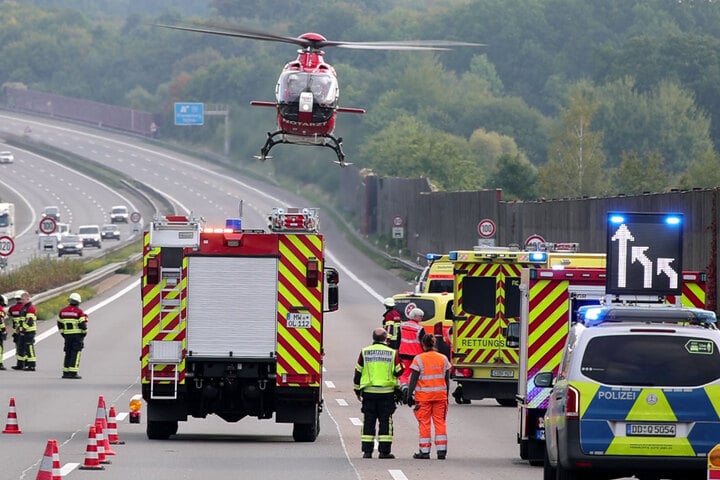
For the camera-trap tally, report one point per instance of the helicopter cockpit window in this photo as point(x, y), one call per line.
point(291, 84)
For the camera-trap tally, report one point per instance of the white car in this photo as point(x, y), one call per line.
point(90, 235)
point(119, 213)
point(7, 157)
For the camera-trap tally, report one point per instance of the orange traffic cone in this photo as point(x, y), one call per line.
point(12, 424)
point(102, 443)
point(50, 465)
point(92, 461)
point(101, 413)
point(112, 432)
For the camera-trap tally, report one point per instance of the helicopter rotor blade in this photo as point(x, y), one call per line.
point(318, 43)
point(239, 33)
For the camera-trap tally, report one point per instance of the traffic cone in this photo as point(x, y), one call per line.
point(12, 424)
point(101, 413)
point(112, 432)
point(103, 445)
point(92, 461)
point(50, 465)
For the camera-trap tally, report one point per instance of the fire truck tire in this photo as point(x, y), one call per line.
point(307, 432)
point(507, 402)
point(161, 430)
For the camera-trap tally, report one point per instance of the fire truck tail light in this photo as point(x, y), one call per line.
point(153, 271)
point(313, 273)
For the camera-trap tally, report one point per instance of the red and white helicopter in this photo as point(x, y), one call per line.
point(307, 92)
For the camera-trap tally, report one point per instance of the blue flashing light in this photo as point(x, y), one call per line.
point(673, 220)
point(453, 256)
point(589, 315)
point(539, 257)
point(617, 219)
point(431, 257)
point(234, 223)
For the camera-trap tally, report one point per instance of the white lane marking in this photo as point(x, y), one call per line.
point(397, 475)
point(341, 402)
point(67, 468)
point(356, 421)
point(121, 416)
point(329, 384)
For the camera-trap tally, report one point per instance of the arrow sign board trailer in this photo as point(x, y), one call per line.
point(644, 253)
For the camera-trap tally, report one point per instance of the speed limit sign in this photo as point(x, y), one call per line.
point(135, 217)
point(7, 246)
point(48, 225)
point(486, 228)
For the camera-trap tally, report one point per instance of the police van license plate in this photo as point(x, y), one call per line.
point(650, 429)
point(299, 320)
point(501, 373)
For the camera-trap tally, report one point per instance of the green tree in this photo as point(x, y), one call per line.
point(637, 175)
point(575, 157)
point(516, 176)
point(408, 148)
point(703, 172)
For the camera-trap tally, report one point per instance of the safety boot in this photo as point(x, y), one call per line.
point(421, 455)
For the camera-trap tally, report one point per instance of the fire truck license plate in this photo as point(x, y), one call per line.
point(651, 429)
point(299, 320)
point(501, 372)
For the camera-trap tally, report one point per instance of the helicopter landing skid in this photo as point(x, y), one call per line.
point(320, 140)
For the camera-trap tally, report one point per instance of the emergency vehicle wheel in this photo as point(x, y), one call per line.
point(161, 430)
point(307, 432)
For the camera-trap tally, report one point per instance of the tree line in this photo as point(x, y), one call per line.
point(567, 98)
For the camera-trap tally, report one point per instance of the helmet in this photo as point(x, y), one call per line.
point(18, 294)
point(416, 312)
point(389, 302)
point(3, 301)
point(75, 297)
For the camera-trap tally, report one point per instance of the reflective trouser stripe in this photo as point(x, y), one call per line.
point(428, 413)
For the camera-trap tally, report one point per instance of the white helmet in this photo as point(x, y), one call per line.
point(75, 297)
point(416, 312)
point(389, 302)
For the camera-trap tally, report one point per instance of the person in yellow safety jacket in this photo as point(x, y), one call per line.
point(72, 324)
point(411, 334)
point(26, 328)
point(428, 395)
point(376, 386)
point(391, 322)
point(3, 328)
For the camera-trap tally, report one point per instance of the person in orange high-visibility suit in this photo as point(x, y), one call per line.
point(411, 334)
point(428, 395)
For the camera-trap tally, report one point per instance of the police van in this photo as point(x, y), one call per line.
point(637, 393)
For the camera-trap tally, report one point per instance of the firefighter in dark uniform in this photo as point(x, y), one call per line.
point(3, 328)
point(376, 386)
point(72, 324)
point(13, 312)
point(25, 316)
point(391, 322)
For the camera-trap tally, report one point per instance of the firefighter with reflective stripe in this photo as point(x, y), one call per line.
point(25, 316)
point(411, 334)
point(428, 393)
point(14, 313)
point(72, 324)
point(391, 322)
point(3, 328)
point(375, 384)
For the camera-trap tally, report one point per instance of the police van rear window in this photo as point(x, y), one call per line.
point(651, 361)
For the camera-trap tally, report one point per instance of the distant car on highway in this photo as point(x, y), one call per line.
point(110, 232)
point(52, 211)
point(70, 244)
point(90, 235)
point(119, 213)
point(7, 157)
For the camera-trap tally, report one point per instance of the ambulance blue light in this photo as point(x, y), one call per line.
point(540, 257)
point(590, 315)
point(452, 256)
point(673, 220)
point(431, 257)
point(617, 219)
point(234, 223)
